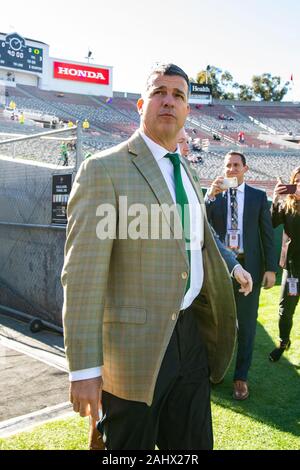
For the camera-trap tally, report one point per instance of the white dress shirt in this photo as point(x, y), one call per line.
point(240, 195)
point(196, 235)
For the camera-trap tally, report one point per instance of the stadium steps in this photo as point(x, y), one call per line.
point(240, 115)
point(111, 107)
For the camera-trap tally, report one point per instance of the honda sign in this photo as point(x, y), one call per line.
point(81, 73)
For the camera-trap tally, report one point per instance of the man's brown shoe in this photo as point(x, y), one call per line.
point(240, 390)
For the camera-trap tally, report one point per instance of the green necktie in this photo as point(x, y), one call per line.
point(182, 200)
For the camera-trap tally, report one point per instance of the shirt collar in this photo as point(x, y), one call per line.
point(241, 187)
point(157, 150)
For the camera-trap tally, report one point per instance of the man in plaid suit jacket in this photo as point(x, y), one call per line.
point(139, 342)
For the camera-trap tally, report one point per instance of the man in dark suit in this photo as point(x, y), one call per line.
point(241, 218)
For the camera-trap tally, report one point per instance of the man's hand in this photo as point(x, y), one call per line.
point(244, 278)
point(216, 187)
point(85, 395)
point(268, 279)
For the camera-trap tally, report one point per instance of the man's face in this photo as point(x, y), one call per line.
point(183, 143)
point(233, 166)
point(164, 108)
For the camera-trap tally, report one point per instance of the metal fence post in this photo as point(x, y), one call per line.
point(79, 153)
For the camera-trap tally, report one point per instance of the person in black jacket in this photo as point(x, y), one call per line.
point(287, 213)
point(242, 220)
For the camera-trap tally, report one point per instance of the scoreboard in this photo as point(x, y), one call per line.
point(14, 53)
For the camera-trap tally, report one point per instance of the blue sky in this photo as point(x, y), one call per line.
point(243, 37)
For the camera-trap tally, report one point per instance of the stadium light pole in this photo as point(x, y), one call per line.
point(89, 56)
point(206, 74)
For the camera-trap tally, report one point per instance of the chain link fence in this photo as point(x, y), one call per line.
point(31, 246)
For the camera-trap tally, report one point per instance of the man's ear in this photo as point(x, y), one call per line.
point(139, 105)
point(246, 168)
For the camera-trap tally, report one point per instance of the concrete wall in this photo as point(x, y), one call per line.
point(31, 258)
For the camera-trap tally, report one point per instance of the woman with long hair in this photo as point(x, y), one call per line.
point(285, 210)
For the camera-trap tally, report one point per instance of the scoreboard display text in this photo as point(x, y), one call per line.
point(14, 53)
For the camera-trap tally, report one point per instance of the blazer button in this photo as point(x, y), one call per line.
point(174, 316)
point(184, 275)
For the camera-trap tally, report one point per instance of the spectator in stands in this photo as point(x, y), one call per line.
point(285, 211)
point(22, 118)
point(129, 303)
point(241, 137)
point(241, 218)
point(85, 125)
point(12, 105)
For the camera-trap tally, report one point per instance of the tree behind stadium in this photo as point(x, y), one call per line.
point(263, 87)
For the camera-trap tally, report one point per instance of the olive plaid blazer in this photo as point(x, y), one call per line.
point(122, 296)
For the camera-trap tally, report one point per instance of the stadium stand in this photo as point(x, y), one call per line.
point(113, 120)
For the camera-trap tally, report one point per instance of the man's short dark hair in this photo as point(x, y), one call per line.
point(167, 69)
point(233, 152)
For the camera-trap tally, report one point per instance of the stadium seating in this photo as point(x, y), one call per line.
point(113, 120)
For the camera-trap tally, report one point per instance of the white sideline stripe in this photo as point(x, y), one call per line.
point(30, 420)
point(44, 356)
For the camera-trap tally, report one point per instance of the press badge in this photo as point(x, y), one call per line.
point(233, 239)
point(293, 286)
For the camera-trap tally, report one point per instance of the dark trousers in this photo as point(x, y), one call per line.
point(180, 415)
point(287, 306)
point(247, 308)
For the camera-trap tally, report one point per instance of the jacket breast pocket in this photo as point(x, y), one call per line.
point(124, 314)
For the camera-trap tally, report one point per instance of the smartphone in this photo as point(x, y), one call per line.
point(230, 183)
point(289, 189)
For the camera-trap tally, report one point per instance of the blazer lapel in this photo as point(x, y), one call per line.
point(148, 167)
point(246, 218)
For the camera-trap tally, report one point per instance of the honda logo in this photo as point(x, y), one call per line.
point(81, 73)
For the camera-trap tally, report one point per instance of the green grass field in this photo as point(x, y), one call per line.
point(269, 419)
